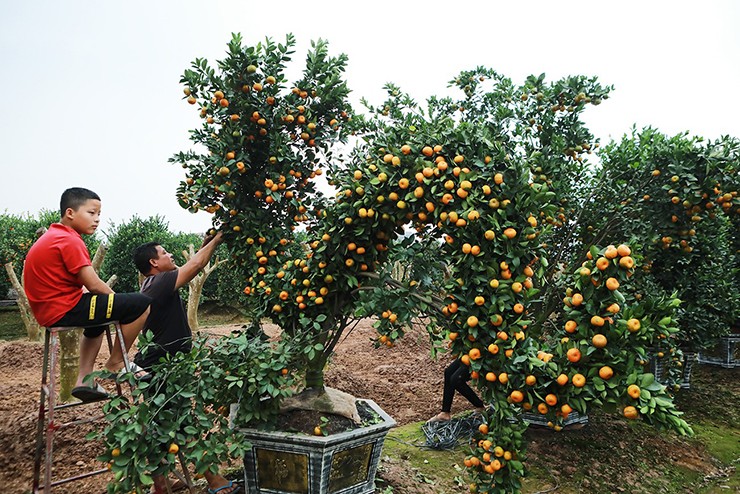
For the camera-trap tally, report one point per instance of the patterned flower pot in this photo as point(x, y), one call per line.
point(343, 463)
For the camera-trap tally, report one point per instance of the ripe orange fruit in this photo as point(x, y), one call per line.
point(116, 452)
point(498, 179)
point(630, 412)
point(599, 340)
point(474, 354)
point(633, 325)
point(626, 262)
point(612, 284)
point(563, 379)
point(472, 321)
point(610, 252)
point(602, 263)
point(574, 355)
point(576, 299)
point(597, 321)
point(530, 380)
point(406, 149)
point(491, 377)
point(479, 300)
point(503, 378)
point(551, 399)
point(174, 448)
point(571, 326)
point(624, 250)
point(493, 348)
point(427, 151)
point(606, 373)
point(510, 233)
point(483, 428)
point(516, 396)
point(579, 380)
point(633, 390)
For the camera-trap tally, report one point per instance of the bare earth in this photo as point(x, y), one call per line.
point(402, 380)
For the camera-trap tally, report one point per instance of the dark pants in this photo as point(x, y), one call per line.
point(457, 376)
point(93, 312)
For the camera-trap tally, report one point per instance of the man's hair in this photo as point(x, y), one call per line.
point(143, 254)
point(75, 197)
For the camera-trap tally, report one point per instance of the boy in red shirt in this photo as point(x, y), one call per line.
point(64, 290)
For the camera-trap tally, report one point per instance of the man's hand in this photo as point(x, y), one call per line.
point(191, 268)
point(208, 238)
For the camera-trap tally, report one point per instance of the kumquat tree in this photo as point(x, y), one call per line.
point(547, 320)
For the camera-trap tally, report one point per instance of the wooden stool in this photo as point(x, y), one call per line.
point(47, 427)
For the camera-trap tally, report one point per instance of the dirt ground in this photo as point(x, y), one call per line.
point(402, 380)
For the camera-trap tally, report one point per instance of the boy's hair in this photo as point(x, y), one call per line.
point(75, 197)
point(143, 254)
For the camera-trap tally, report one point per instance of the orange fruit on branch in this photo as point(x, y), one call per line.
point(633, 390)
point(574, 355)
point(599, 340)
point(606, 373)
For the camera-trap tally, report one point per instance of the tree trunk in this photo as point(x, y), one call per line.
point(193, 301)
point(33, 329)
point(69, 362)
point(196, 287)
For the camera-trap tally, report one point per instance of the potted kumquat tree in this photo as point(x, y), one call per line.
point(546, 322)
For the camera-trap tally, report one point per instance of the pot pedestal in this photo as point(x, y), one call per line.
point(344, 463)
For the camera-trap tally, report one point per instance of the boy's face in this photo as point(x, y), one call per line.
point(85, 219)
point(164, 261)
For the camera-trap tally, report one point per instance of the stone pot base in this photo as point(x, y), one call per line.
point(344, 463)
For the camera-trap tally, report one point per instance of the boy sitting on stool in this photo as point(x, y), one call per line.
point(64, 290)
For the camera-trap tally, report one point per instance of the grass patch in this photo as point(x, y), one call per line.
point(214, 314)
point(403, 449)
point(11, 324)
point(610, 454)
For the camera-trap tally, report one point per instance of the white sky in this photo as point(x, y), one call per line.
point(91, 93)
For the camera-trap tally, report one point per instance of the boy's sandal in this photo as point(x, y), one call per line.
point(139, 373)
point(89, 394)
point(236, 489)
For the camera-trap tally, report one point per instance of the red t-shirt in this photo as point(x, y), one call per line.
point(49, 277)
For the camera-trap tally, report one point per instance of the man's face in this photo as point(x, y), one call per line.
point(85, 219)
point(164, 261)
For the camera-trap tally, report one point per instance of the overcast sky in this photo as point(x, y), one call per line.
point(91, 95)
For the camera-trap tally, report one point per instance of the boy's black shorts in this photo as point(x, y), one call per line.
point(92, 311)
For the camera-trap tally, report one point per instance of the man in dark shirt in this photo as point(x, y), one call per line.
point(168, 319)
